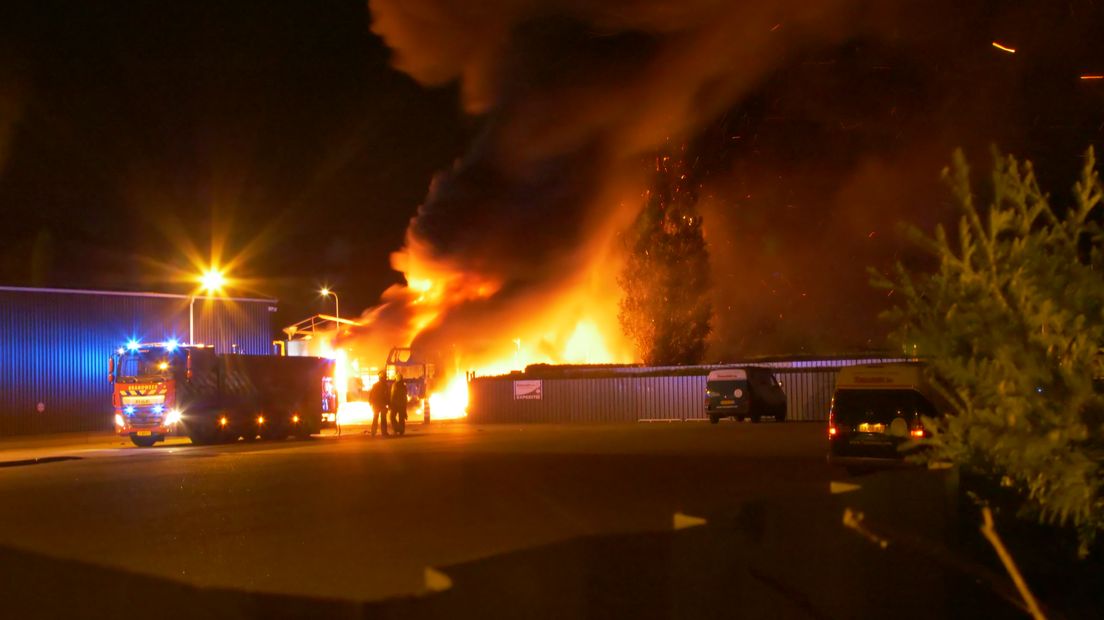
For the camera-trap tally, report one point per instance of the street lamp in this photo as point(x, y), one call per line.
point(326, 292)
point(211, 281)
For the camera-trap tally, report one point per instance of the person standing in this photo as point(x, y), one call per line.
point(398, 405)
point(379, 397)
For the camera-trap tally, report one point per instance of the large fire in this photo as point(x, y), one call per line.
point(468, 324)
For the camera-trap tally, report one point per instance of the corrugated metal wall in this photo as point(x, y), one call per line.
point(54, 347)
point(631, 399)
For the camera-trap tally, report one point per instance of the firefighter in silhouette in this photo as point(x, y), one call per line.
point(379, 398)
point(398, 404)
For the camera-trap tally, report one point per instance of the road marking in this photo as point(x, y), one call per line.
point(436, 581)
point(683, 521)
point(842, 487)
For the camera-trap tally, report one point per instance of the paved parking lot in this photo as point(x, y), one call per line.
point(344, 523)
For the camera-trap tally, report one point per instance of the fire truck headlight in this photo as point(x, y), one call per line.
point(119, 421)
point(128, 410)
point(172, 417)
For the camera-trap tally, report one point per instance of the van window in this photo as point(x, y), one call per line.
point(725, 387)
point(857, 406)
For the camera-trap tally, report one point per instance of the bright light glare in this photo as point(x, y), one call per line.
point(171, 345)
point(119, 421)
point(212, 280)
point(452, 403)
point(163, 366)
point(172, 417)
point(132, 345)
point(158, 408)
point(325, 291)
point(354, 412)
point(129, 410)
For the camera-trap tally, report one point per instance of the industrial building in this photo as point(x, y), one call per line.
point(55, 345)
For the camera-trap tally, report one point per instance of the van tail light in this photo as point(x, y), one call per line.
point(832, 430)
point(188, 364)
point(917, 432)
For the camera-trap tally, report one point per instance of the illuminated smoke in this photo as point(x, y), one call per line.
point(571, 97)
point(518, 239)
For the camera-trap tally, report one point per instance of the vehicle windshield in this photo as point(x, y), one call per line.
point(135, 365)
point(856, 406)
point(408, 372)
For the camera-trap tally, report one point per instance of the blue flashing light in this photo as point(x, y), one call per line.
point(132, 344)
point(158, 408)
point(128, 410)
point(171, 345)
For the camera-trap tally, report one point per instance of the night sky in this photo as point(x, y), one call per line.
point(143, 129)
point(133, 135)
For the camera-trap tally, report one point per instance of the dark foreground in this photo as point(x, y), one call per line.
point(484, 521)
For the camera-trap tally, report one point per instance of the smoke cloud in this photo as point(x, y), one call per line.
point(816, 128)
point(572, 97)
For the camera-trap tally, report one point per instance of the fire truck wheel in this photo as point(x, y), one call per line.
point(144, 442)
point(276, 430)
point(202, 438)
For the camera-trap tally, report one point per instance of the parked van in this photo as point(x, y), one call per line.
point(748, 392)
point(876, 410)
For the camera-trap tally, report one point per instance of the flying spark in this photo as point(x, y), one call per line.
point(1003, 48)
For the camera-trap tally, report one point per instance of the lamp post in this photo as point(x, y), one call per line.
point(326, 292)
point(211, 281)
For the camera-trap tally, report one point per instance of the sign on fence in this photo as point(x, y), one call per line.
point(529, 389)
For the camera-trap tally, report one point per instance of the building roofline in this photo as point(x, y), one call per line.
point(77, 291)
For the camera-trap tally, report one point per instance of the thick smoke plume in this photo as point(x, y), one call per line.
point(815, 128)
point(572, 96)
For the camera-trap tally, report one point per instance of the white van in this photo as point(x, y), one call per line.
point(876, 410)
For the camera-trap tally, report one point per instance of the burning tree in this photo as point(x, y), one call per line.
point(665, 310)
point(1012, 324)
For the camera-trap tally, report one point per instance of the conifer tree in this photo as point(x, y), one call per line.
point(1012, 324)
point(665, 309)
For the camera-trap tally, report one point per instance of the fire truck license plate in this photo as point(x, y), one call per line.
point(145, 433)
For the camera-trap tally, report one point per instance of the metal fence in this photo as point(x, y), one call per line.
point(636, 398)
point(54, 346)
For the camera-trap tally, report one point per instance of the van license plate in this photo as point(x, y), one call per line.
point(728, 402)
point(872, 428)
point(145, 433)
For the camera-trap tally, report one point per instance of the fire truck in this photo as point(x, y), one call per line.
point(166, 388)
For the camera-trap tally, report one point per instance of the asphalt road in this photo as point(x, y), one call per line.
point(577, 517)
